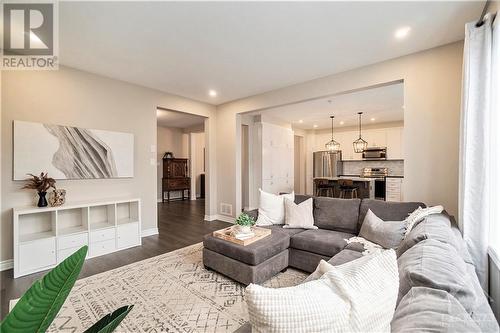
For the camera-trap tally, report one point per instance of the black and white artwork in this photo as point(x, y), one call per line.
point(67, 152)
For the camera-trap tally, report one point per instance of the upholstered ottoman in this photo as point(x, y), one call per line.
point(254, 263)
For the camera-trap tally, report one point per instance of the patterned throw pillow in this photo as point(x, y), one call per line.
point(349, 298)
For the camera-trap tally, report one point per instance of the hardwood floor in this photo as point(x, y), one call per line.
point(180, 223)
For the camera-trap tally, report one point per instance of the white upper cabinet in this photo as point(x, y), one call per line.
point(375, 137)
point(395, 143)
point(277, 158)
point(391, 137)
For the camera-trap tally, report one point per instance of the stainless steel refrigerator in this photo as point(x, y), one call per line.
point(327, 164)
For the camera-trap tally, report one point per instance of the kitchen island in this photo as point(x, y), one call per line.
point(366, 186)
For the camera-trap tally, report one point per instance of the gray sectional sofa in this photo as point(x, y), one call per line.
point(439, 290)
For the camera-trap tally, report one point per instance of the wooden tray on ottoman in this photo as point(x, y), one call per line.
point(227, 234)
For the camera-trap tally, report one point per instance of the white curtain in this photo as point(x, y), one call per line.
point(479, 181)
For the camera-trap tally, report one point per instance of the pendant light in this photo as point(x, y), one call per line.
point(359, 144)
point(332, 145)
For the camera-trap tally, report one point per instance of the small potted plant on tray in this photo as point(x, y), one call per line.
point(244, 223)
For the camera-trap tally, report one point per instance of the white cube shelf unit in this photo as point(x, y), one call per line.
point(44, 237)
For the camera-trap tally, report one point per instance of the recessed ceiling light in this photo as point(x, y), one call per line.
point(402, 32)
point(301, 121)
point(315, 126)
point(212, 93)
point(341, 123)
point(373, 119)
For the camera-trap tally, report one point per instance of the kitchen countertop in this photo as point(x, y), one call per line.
point(357, 176)
point(355, 179)
point(376, 160)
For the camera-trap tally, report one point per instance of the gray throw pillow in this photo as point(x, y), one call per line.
point(437, 265)
point(431, 310)
point(387, 234)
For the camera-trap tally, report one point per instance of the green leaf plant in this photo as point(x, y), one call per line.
point(38, 307)
point(245, 220)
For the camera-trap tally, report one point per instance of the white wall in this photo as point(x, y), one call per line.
point(197, 159)
point(494, 6)
point(76, 98)
point(169, 139)
point(432, 88)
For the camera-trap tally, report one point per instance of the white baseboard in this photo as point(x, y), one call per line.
point(225, 218)
point(6, 264)
point(149, 232)
point(219, 217)
point(210, 218)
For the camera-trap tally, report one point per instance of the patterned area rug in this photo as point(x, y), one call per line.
point(171, 292)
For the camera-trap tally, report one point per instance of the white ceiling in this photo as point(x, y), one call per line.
point(245, 48)
point(383, 104)
point(167, 118)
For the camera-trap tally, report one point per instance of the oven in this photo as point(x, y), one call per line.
point(379, 175)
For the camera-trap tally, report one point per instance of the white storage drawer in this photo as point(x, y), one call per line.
point(64, 253)
point(102, 235)
point(104, 247)
point(394, 186)
point(127, 235)
point(393, 197)
point(37, 254)
point(70, 241)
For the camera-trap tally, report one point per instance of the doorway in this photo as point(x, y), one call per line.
point(181, 166)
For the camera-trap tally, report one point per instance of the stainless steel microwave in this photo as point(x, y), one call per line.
point(375, 153)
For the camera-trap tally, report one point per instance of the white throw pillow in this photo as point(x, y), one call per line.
point(324, 267)
point(299, 216)
point(272, 208)
point(359, 296)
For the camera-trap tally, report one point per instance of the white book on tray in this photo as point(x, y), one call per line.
point(241, 236)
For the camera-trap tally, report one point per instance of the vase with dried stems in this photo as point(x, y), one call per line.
point(41, 184)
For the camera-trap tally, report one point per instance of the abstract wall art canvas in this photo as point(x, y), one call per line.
point(67, 152)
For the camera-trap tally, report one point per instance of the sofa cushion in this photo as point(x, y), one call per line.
point(279, 228)
point(345, 256)
point(252, 254)
point(387, 211)
point(436, 226)
point(321, 241)
point(431, 310)
point(336, 214)
point(304, 260)
point(462, 246)
point(434, 264)
point(482, 314)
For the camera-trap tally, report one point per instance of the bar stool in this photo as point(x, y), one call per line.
point(347, 187)
point(324, 188)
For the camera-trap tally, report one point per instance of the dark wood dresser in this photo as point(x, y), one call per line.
point(175, 177)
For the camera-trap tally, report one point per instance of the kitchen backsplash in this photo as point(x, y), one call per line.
point(395, 168)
